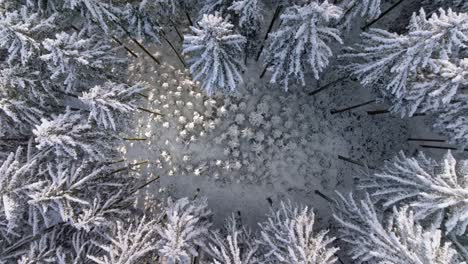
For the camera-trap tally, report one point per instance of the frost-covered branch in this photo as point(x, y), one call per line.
point(17, 117)
point(109, 100)
point(70, 135)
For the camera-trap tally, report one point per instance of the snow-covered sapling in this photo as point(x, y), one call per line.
point(301, 41)
point(216, 54)
point(401, 241)
point(431, 188)
point(288, 237)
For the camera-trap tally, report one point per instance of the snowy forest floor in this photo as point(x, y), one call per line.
point(262, 145)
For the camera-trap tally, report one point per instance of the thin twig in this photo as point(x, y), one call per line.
point(352, 107)
point(355, 162)
point(135, 139)
point(324, 87)
point(386, 111)
point(149, 111)
point(187, 15)
point(427, 139)
point(128, 167)
point(440, 147)
point(325, 197)
point(175, 51)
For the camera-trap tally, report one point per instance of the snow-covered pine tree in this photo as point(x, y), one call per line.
point(216, 54)
point(111, 100)
point(141, 21)
point(393, 62)
point(249, 13)
point(102, 13)
point(128, 243)
point(288, 237)
point(183, 229)
point(433, 189)
point(301, 41)
point(213, 6)
point(367, 9)
point(74, 59)
point(69, 135)
point(177, 10)
point(233, 245)
point(400, 240)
